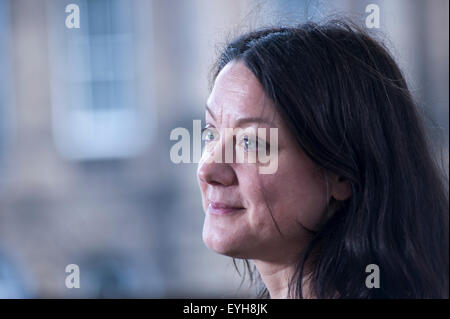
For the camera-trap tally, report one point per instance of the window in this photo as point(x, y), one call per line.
point(101, 91)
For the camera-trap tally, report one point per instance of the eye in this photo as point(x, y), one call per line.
point(209, 134)
point(250, 143)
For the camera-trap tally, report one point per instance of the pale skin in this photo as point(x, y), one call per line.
point(267, 218)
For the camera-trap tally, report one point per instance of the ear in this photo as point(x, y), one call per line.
point(340, 188)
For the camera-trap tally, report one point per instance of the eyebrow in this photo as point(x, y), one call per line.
point(242, 121)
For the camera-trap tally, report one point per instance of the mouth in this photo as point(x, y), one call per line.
point(217, 208)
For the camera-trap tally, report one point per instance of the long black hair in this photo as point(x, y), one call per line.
point(348, 105)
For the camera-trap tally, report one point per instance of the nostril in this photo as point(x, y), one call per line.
point(217, 174)
point(207, 177)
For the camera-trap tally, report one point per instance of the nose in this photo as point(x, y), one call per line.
point(214, 170)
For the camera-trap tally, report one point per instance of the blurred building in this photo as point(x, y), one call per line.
point(85, 118)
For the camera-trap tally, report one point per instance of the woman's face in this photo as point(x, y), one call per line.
point(249, 214)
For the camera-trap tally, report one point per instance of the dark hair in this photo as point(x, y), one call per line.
point(348, 105)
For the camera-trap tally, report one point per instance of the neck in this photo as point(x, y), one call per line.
point(276, 277)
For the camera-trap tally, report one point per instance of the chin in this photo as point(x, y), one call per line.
point(221, 244)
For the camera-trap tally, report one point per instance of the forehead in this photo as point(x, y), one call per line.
point(237, 92)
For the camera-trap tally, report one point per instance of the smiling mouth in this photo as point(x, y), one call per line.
point(223, 209)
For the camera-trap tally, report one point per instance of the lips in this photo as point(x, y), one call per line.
point(220, 208)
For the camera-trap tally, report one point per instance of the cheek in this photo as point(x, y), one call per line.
point(297, 193)
point(257, 192)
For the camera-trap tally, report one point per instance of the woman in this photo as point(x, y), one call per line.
point(356, 186)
